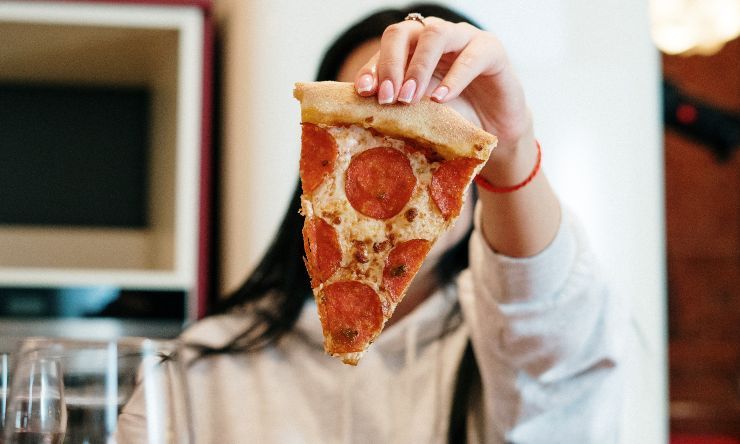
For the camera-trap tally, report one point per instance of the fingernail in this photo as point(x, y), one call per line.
point(385, 92)
point(440, 93)
point(407, 91)
point(365, 83)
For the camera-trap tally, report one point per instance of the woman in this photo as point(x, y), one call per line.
point(521, 344)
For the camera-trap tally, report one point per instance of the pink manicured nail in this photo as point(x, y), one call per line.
point(365, 83)
point(440, 93)
point(385, 92)
point(407, 91)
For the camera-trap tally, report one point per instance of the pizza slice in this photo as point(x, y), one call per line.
point(380, 184)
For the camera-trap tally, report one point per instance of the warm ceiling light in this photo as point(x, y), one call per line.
point(690, 27)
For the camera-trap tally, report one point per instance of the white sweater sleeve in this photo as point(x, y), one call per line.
point(548, 339)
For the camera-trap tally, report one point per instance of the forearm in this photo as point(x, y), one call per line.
point(523, 222)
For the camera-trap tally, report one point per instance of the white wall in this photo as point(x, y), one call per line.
point(591, 75)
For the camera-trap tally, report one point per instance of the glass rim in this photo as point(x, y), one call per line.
point(129, 343)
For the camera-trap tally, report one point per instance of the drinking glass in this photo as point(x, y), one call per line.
point(4, 378)
point(131, 390)
point(36, 412)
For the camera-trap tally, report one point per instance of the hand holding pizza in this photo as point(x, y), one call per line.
point(431, 56)
point(446, 60)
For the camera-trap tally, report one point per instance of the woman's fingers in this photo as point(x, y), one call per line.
point(394, 54)
point(387, 66)
point(471, 62)
point(437, 38)
point(393, 76)
point(366, 80)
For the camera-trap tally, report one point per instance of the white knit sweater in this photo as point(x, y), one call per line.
point(547, 336)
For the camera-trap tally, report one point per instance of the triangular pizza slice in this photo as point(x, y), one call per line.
point(380, 184)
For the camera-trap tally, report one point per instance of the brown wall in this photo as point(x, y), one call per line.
point(703, 230)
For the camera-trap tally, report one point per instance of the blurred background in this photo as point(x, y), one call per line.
point(142, 139)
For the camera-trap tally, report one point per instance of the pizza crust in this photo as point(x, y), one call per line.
point(429, 122)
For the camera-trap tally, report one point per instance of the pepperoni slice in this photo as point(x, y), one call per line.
point(402, 264)
point(449, 182)
point(351, 316)
point(379, 182)
point(323, 253)
point(318, 154)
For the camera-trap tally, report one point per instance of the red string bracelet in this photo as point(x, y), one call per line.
point(488, 186)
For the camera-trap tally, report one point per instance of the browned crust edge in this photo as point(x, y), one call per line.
point(335, 103)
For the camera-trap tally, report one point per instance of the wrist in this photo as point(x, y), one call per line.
point(511, 162)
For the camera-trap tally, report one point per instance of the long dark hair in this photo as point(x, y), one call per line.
point(279, 286)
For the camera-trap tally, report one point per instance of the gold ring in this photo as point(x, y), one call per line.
point(415, 16)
